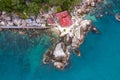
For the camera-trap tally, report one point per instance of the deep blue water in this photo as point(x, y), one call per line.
point(20, 56)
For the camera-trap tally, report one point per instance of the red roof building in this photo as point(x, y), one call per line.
point(63, 18)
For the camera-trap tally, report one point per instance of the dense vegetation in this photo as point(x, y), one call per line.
point(33, 6)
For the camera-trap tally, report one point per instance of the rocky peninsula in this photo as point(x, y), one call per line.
point(72, 36)
point(71, 27)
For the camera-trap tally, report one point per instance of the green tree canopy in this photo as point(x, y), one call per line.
point(33, 6)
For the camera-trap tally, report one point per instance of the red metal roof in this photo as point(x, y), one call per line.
point(50, 21)
point(63, 18)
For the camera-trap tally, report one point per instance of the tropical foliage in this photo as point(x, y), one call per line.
point(33, 6)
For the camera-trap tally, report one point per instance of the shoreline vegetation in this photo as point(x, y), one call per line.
point(25, 8)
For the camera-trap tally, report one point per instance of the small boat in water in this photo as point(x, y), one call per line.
point(117, 16)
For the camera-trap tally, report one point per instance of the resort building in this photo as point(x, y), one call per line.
point(63, 18)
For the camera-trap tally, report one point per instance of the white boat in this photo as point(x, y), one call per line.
point(117, 16)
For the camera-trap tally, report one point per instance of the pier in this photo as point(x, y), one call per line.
point(30, 27)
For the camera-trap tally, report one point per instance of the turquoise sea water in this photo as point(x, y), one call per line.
point(20, 56)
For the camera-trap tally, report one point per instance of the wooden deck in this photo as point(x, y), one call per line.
point(17, 27)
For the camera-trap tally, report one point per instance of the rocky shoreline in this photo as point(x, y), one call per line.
point(59, 55)
point(12, 19)
point(70, 38)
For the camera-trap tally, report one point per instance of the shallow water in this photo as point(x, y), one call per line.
point(20, 56)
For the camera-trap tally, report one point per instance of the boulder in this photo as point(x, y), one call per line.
point(24, 24)
point(3, 13)
point(2, 23)
point(17, 22)
point(58, 51)
point(9, 23)
point(59, 65)
point(28, 21)
point(0, 29)
point(93, 4)
point(8, 18)
point(38, 20)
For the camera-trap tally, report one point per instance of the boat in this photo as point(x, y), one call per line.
point(117, 16)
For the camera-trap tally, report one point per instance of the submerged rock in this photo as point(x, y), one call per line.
point(95, 30)
point(77, 52)
point(21, 32)
point(117, 16)
point(47, 58)
point(0, 29)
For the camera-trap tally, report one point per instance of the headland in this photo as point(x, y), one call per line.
point(71, 27)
